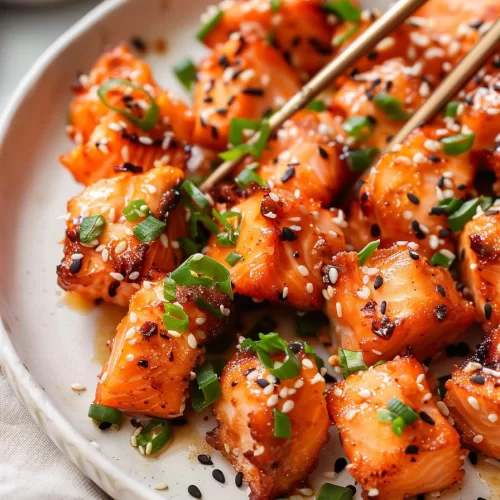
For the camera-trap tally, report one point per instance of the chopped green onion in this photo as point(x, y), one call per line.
point(175, 318)
point(266, 324)
point(157, 432)
point(359, 127)
point(351, 362)
point(207, 390)
point(391, 106)
point(458, 144)
point(233, 258)
point(282, 425)
point(107, 414)
point(203, 304)
point(255, 149)
point(386, 416)
point(402, 410)
point(248, 175)
point(451, 109)
point(331, 491)
point(310, 323)
point(149, 229)
point(451, 205)
point(91, 227)
point(135, 210)
point(275, 5)
point(316, 105)
point(209, 25)
point(398, 426)
point(442, 260)
point(169, 289)
point(366, 253)
point(238, 126)
point(271, 343)
point(230, 236)
point(458, 219)
point(195, 195)
point(339, 40)
point(148, 121)
point(185, 71)
point(361, 159)
point(202, 270)
point(343, 9)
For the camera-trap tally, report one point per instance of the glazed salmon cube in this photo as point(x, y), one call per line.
point(113, 265)
point(393, 303)
point(426, 457)
point(283, 243)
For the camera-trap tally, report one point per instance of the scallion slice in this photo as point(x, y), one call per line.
point(254, 149)
point(169, 289)
point(359, 127)
point(157, 432)
point(149, 229)
point(365, 254)
point(351, 362)
point(451, 109)
point(209, 25)
point(238, 126)
point(185, 71)
point(175, 318)
point(107, 414)
point(233, 258)
point(361, 159)
point(442, 260)
point(202, 270)
point(343, 9)
point(207, 389)
point(316, 105)
point(91, 227)
point(386, 416)
point(398, 426)
point(203, 304)
point(148, 121)
point(135, 210)
point(458, 144)
point(402, 410)
point(391, 106)
point(451, 205)
point(200, 200)
point(282, 425)
point(230, 236)
point(331, 491)
point(339, 40)
point(458, 219)
point(248, 175)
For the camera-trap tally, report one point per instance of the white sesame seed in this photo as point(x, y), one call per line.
point(117, 276)
point(472, 367)
point(338, 307)
point(78, 387)
point(259, 451)
point(350, 414)
point(134, 275)
point(130, 357)
point(298, 384)
point(478, 439)
point(427, 397)
point(253, 375)
point(443, 408)
point(309, 288)
point(132, 317)
point(420, 378)
point(333, 275)
point(285, 292)
point(473, 402)
point(365, 393)
point(307, 363)
point(283, 393)
point(274, 197)
point(303, 270)
point(317, 378)
point(200, 320)
point(288, 406)
point(146, 140)
point(130, 333)
point(161, 486)
point(192, 341)
point(493, 417)
point(373, 492)
point(272, 400)
point(419, 158)
point(268, 390)
point(295, 228)
point(121, 247)
point(149, 448)
point(307, 492)
point(77, 256)
point(337, 392)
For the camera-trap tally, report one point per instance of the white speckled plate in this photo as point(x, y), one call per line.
point(46, 346)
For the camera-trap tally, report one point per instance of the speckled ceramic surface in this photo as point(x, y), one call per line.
point(46, 346)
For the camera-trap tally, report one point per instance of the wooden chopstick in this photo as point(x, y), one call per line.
point(365, 42)
point(462, 73)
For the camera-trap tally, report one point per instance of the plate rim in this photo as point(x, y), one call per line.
point(85, 456)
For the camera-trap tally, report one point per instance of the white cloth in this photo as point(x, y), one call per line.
point(31, 466)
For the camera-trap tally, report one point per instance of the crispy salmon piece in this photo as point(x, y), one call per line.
point(304, 157)
point(150, 367)
point(299, 29)
point(479, 250)
point(271, 466)
point(372, 313)
point(473, 397)
point(394, 201)
point(244, 78)
point(425, 458)
point(284, 242)
point(112, 267)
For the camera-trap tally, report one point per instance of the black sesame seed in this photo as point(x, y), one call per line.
point(426, 418)
point(135, 423)
point(223, 61)
point(143, 363)
point(104, 425)
point(372, 55)
point(444, 233)
point(375, 230)
point(262, 382)
point(138, 44)
point(414, 199)
point(488, 309)
point(194, 491)
point(437, 211)
point(76, 265)
point(461, 187)
point(411, 449)
point(441, 311)
point(255, 91)
point(289, 173)
point(414, 255)
point(287, 234)
point(383, 306)
point(478, 379)
point(218, 475)
point(472, 457)
point(378, 282)
point(434, 158)
point(440, 289)
point(205, 459)
point(476, 24)
point(340, 464)
point(238, 480)
point(323, 152)
point(112, 289)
